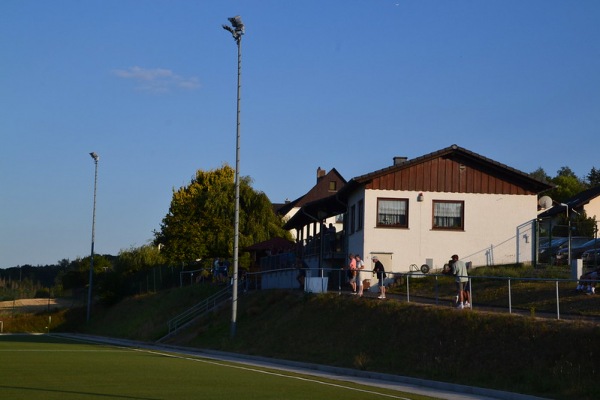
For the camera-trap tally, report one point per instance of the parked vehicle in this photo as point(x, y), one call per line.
point(591, 257)
point(562, 255)
point(548, 247)
point(543, 241)
point(548, 250)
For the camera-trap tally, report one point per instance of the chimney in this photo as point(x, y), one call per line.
point(320, 173)
point(400, 160)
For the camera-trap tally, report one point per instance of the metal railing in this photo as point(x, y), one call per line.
point(474, 281)
point(416, 287)
point(442, 290)
point(191, 314)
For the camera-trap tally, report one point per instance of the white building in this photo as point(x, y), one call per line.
point(421, 211)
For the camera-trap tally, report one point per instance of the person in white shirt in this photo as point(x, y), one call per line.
point(360, 265)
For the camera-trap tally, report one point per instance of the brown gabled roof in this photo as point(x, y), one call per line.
point(462, 155)
point(317, 192)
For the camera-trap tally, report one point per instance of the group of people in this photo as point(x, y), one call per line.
point(220, 270)
point(587, 282)
point(455, 267)
point(356, 275)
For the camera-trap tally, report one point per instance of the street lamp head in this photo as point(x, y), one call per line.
point(95, 156)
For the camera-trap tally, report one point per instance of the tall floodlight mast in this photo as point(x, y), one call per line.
point(237, 31)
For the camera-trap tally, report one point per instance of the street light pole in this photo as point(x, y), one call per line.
point(89, 302)
point(237, 30)
point(566, 206)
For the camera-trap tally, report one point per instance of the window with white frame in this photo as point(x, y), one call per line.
point(448, 214)
point(392, 213)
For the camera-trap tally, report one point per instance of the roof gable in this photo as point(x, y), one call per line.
point(453, 169)
point(320, 191)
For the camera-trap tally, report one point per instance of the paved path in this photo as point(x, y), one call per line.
point(441, 390)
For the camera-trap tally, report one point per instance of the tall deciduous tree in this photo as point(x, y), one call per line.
point(567, 184)
point(540, 175)
point(200, 221)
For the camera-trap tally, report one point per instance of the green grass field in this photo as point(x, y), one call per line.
point(49, 367)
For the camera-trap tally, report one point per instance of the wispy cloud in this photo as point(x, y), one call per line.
point(157, 80)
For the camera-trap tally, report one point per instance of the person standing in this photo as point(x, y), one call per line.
point(352, 272)
point(331, 234)
point(301, 277)
point(360, 265)
point(380, 271)
point(459, 270)
point(215, 269)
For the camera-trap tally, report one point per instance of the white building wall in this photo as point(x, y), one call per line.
point(356, 240)
point(593, 209)
point(498, 230)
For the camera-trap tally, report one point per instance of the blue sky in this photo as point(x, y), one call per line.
point(348, 84)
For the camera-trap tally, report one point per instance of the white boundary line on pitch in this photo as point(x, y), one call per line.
point(233, 364)
point(208, 361)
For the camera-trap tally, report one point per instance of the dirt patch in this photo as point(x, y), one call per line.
point(36, 305)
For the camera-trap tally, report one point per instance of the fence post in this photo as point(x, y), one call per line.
point(407, 288)
point(471, 292)
point(509, 298)
point(437, 291)
point(557, 303)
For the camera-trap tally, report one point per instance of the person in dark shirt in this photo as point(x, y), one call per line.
point(380, 271)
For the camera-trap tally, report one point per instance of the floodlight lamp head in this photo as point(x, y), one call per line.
point(95, 156)
point(237, 23)
point(237, 28)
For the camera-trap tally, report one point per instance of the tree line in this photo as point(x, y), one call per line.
point(566, 183)
point(197, 229)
